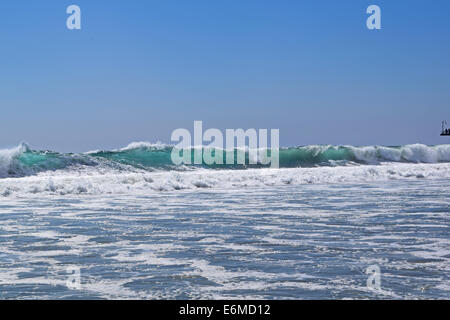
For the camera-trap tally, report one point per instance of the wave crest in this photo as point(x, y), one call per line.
point(8, 159)
point(23, 161)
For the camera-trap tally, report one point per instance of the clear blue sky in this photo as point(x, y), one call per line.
point(140, 69)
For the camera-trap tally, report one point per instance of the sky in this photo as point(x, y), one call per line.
point(139, 69)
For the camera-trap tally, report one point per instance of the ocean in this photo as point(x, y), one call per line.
point(127, 224)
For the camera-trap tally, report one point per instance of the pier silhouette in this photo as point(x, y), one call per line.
point(445, 131)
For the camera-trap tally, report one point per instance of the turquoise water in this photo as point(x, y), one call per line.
point(23, 161)
point(311, 241)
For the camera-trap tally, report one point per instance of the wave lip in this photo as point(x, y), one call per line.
point(413, 153)
point(22, 161)
point(8, 159)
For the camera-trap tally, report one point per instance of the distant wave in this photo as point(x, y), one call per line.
point(23, 161)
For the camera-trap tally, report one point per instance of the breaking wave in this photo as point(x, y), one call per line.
point(23, 161)
point(142, 167)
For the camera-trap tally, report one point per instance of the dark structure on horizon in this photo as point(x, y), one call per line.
point(445, 132)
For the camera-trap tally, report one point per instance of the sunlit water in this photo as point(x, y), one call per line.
point(280, 242)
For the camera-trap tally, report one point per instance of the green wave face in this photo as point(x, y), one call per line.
point(289, 158)
point(314, 155)
point(142, 158)
point(23, 161)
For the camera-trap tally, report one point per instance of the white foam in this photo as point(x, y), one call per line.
point(417, 153)
point(7, 158)
point(143, 144)
point(108, 181)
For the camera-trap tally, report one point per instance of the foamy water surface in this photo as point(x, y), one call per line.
point(277, 234)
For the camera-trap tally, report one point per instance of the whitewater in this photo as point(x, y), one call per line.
point(138, 227)
point(145, 167)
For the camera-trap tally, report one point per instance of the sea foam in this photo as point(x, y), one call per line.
point(101, 180)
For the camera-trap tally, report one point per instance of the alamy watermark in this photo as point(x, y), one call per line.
point(73, 22)
point(374, 20)
point(73, 281)
point(374, 279)
point(234, 150)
